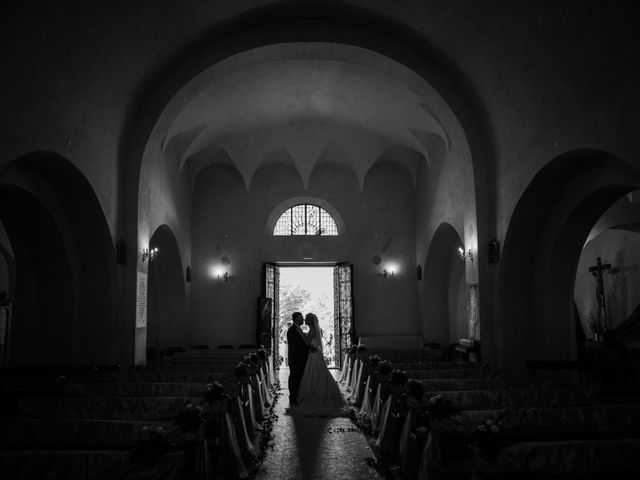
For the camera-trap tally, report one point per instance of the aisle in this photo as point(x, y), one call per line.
point(312, 448)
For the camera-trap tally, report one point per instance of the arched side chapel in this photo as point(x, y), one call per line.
point(472, 162)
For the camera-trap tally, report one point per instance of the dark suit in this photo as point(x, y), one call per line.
point(298, 352)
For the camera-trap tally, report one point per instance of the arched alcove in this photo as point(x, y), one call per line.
point(42, 325)
point(444, 292)
point(546, 235)
point(65, 270)
point(166, 300)
point(615, 239)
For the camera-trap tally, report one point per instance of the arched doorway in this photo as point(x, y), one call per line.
point(444, 289)
point(64, 299)
point(167, 311)
point(546, 235)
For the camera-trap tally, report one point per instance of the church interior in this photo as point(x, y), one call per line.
point(467, 169)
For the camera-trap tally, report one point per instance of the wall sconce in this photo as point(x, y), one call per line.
point(224, 276)
point(464, 255)
point(387, 273)
point(149, 254)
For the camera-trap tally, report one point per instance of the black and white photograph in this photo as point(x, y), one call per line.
point(319, 240)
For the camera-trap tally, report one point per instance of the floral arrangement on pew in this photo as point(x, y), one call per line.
point(242, 372)
point(415, 402)
point(263, 365)
point(427, 411)
point(487, 439)
point(373, 361)
point(382, 376)
point(217, 399)
point(397, 391)
point(392, 416)
point(245, 372)
point(190, 420)
point(398, 382)
point(251, 362)
point(361, 350)
point(262, 355)
point(353, 352)
point(219, 444)
point(383, 371)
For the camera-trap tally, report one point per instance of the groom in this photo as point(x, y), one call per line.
point(298, 351)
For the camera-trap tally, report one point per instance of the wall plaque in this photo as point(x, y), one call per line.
point(141, 300)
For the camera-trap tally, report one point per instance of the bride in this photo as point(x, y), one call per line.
point(319, 394)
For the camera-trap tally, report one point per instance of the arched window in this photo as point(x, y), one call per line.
point(305, 219)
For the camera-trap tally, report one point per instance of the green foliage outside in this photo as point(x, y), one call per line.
point(294, 298)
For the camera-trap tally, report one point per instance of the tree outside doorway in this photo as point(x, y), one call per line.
point(308, 290)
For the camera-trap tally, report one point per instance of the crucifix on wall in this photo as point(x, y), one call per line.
point(597, 270)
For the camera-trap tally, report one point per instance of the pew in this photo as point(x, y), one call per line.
point(533, 419)
point(86, 420)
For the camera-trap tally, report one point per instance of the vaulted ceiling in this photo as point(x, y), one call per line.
point(303, 104)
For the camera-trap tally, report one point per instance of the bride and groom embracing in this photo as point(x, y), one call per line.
point(312, 389)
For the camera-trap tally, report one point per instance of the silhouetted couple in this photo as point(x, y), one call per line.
point(312, 388)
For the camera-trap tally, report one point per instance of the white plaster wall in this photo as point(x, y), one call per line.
point(621, 249)
point(230, 221)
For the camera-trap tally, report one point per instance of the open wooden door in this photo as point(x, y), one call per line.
point(345, 332)
point(269, 308)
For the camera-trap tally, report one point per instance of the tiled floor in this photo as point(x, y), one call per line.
point(312, 448)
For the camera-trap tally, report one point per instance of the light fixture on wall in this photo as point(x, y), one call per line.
point(387, 273)
point(464, 255)
point(150, 254)
point(224, 276)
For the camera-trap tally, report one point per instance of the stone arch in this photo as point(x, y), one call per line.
point(166, 303)
point(546, 234)
point(444, 292)
point(277, 24)
point(65, 287)
point(168, 91)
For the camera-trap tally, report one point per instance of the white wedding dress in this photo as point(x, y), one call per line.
point(319, 394)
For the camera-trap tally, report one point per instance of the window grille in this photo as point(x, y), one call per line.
point(305, 219)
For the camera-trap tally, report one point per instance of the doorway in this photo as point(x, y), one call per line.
point(308, 289)
point(325, 290)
